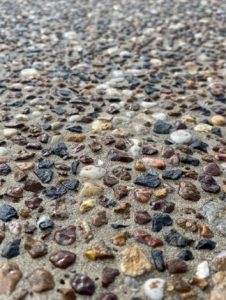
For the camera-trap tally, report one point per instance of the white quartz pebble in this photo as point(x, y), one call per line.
point(154, 288)
point(92, 172)
point(181, 136)
point(203, 270)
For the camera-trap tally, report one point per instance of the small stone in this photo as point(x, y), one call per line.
point(142, 217)
point(118, 155)
point(212, 169)
point(65, 236)
point(4, 169)
point(110, 180)
point(219, 290)
point(149, 179)
point(153, 162)
point(181, 137)
point(4, 151)
point(67, 294)
point(35, 248)
point(205, 231)
point(154, 288)
point(188, 191)
point(160, 193)
point(33, 186)
point(29, 73)
point(176, 266)
point(11, 249)
point(9, 132)
point(90, 189)
point(44, 222)
point(15, 192)
point(163, 205)
point(24, 166)
point(99, 125)
point(92, 172)
point(157, 256)
point(205, 244)
point(178, 284)
point(108, 276)
point(203, 270)
point(174, 238)
point(219, 261)
point(44, 175)
point(172, 174)
point(144, 237)
point(134, 262)
point(62, 259)
point(142, 195)
point(199, 145)
point(55, 192)
point(190, 160)
point(120, 239)
point(76, 138)
point(10, 275)
point(7, 212)
point(209, 184)
point(99, 251)
point(159, 220)
point(100, 219)
point(203, 127)
point(59, 149)
point(218, 120)
point(185, 255)
point(41, 280)
point(87, 205)
point(161, 127)
point(83, 285)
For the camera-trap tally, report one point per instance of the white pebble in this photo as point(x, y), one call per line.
point(135, 151)
point(203, 270)
point(146, 104)
point(4, 151)
point(21, 117)
point(159, 116)
point(9, 132)
point(92, 172)
point(74, 118)
point(28, 73)
point(154, 288)
point(181, 136)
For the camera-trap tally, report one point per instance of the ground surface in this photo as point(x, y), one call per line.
point(107, 84)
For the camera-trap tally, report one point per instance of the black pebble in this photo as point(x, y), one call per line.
point(11, 249)
point(59, 149)
point(185, 255)
point(158, 259)
point(174, 238)
point(162, 127)
point(205, 244)
point(159, 220)
point(172, 174)
point(55, 192)
point(44, 175)
point(149, 179)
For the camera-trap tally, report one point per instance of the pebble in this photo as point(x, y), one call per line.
point(108, 296)
point(142, 217)
point(29, 73)
point(218, 120)
point(185, 255)
point(36, 248)
point(119, 155)
point(209, 184)
point(159, 116)
point(188, 191)
point(149, 179)
point(83, 285)
point(11, 249)
point(158, 259)
point(134, 262)
point(175, 266)
point(92, 172)
point(219, 261)
point(203, 270)
point(154, 288)
point(162, 127)
point(44, 175)
point(174, 238)
point(108, 276)
point(65, 236)
point(7, 212)
point(41, 280)
point(172, 174)
point(205, 244)
point(62, 259)
point(160, 220)
point(87, 205)
point(90, 189)
point(4, 151)
point(212, 169)
point(181, 137)
point(10, 275)
point(44, 222)
point(99, 251)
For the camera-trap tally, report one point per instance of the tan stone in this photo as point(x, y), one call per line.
point(87, 205)
point(160, 193)
point(99, 251)
point(77, 138)
point(90, 189)
point(134, 262)
point(41, 280)
point(99, 125)
point(203, 127)
point(120, 239)
point(23, 166)
point(10, 275)
point(218, 120)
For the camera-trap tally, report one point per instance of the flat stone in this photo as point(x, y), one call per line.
point(174, 238)
point(9, 132)
point(203, 270)
point(90, 189)
point(181, 137)
point(99, 251)
point(176, 266)
point(188, 191)
point(7, 212)
point(41, 280)
point(92, 172)
point(10, 275)
point(11, 249)
point(119, 155)
point(142, 236)
point(36, 248)
point(149, 179)
point(134, 262)
point(162, 127)
point(208, 183)
point(65, 236)
point(108, 276)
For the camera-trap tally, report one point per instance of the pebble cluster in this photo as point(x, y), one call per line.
point(112, 150)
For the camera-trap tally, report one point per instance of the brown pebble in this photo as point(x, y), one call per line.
point(188, 191)
point(65, 236)
point(142, 195)
point(108, 276)
point(176, 266)
point(41, 280)
point(62, 259)
point(35, 248)
point(10, 275)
